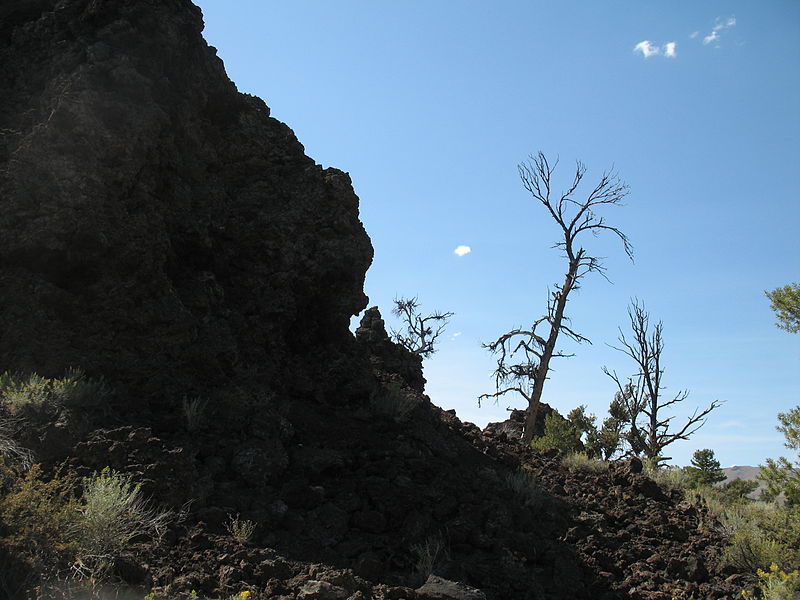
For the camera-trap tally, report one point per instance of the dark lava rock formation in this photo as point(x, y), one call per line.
point(161, 231)
point(158, 227)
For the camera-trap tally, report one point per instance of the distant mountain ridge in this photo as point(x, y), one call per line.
point(746, 473)
point(741, 472)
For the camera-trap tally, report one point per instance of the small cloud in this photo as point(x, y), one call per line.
point(694, 34)
point(646, 48)
point(720, 25)
point(455, 335)
point(462, 250)
point(729, 22)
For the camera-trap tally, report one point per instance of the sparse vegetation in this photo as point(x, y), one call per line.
point(11, 451)
point(394, 400)
point(30, 394)
point(112, 512)
point(523, 484)
point(62, 534)
point(40, 514)
point(777, 584)
point(429, 555)
point(240, 529)
point(578, 461)
point(671, 477)
point(194, 412)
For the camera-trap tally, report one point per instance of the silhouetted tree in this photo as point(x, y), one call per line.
point(648, 429)
point(524, 355)
point(421, 332)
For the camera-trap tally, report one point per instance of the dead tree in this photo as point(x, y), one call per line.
point(649, 432)
point(421, 332)
point(524, 355)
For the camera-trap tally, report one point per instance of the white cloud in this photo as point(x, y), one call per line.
point(694, 34)
point(462, 250)
point(721, 25)
point(646, 48)
point(455, 335)
point(729, 22)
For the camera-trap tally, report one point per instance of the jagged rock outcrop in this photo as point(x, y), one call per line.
point(385, 356)
point(156, 226)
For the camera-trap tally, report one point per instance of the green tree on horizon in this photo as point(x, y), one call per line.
point(783, 474)
point(786, 304)
point(705, 469)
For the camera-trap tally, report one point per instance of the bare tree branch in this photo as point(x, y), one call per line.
point(524, 355)
point(421, 332)
point(649, 430)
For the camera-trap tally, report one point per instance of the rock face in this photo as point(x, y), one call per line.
point(156, 226)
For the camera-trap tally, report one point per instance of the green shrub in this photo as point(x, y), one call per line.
point(53, 528)
point(13, 454)
point(759, 534)
point(671, 477)
point(112, 512)
point(777, 584)
point(40, 515)
point(194, 412)
point(523, 485)
point(34, 394)
point(558, 433)
point(240, 529)
point(395, 400)
point(578, 461)
point(429, 555)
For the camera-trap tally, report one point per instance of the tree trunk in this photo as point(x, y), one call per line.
point(549, 348)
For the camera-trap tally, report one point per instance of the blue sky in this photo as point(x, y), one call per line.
point(431, 106)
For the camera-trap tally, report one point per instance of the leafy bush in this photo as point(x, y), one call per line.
point(558, 433)
point(40, 516)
